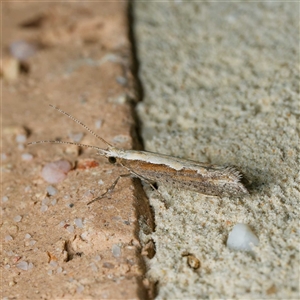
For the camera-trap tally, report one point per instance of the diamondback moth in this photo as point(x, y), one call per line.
point(151, 167)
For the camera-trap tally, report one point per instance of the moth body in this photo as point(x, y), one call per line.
point(181, 173)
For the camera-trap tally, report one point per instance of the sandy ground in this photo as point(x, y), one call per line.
point(221, 85)
point(54, 246)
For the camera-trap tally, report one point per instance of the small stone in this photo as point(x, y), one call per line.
point(98, 124)
point(55, 172)
point(17, 218)
point(31, 243)
point(121, 80)
point(8, 238)
point(27, 156)
point(78, 223)
point(94, 267)
point(44, 208)
point(9, 68)
point(27, 236)
point(193, 262)
point(76, 137)
point(23, 265)
point(70, 228)
point(22, 50)
point(116, 250)
point(4, 199)
point(51, 191)
point(21, 138)
point(242, 238)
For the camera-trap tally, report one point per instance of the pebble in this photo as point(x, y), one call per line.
point(21, 138)
point(116, 250)
point(78, 223)
point(98, 123)
point(44, 208)
point(70, 228)
point(242, 238)
point(27, 156)
point(51, 191)
point(76, 137)
point(4, 199)
point(23, 265)
point(8, 238)
point(17, 218)
point(22, 50)
point(55, 172)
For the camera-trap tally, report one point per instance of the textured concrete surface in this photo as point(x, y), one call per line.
point(54, 245)
point(221, 85)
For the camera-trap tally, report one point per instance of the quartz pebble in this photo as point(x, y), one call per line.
point(51, 190)
point(23, 265)
point(8, 238)
point(21, 138)
point(27, 156)
point(242, 238)
point(55, 172)
point(116, 250)
point(17, 218)
point(22, 50)
point(78, 223)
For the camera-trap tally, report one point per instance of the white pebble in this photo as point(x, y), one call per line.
point(3, 156)
point(4, 199)
point(84, 236)
point(53, 263)
point(49, 272)
point(78, 223)
point(23, 265)
point(121, 80)
point(44, 208)
point(27, 156)
point(76, 137)
point(27, 236)
point(56, 172)
point(54, 201)
point(8, 238)
point(17, 218)
point(32, 242)
point(59, 270)
point(51, 190)
point(97, 258)
point(98, 124)
point(100, 182)
point(30, 266)
point(116, 250)
point(70, 228)
point(27, 189)
point(94, 267)
point(21, 147)
point(21, 138)
point(45, 201)
point(242, 238)
point(62, 224)
point(80, 288)
point(22, 50)
point(7, 266)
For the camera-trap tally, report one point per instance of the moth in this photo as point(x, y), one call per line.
point(151, 167)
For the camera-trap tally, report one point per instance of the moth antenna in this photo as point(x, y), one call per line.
point(68, 143)
point(83, 125)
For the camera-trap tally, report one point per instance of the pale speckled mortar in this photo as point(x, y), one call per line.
point(221, 85)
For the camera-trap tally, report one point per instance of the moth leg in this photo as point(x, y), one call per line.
point(151, 184)
point(110, 189)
